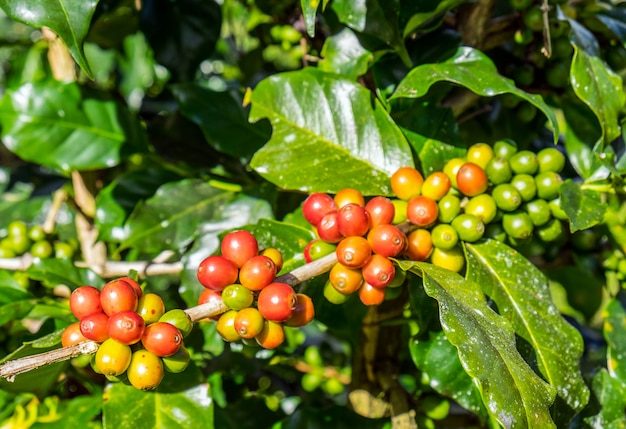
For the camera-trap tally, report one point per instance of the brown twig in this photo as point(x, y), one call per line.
point(15, 367)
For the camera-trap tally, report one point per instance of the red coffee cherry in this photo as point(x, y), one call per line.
point(471, 179)
point(328, 228)
point(85, 300)
point(316, 206)
point(210, 296)
point(387, 240)
point(344, 279)
point(118, 295)
point(216, 272)
point(72, 335)
point(354, 251)
point(381, 211)
point(136, 286)
point(370, 295)
point(94, 327)
point(257, 272)
point(379, 271)
point(304, 312)
point(353, 220)
point(126, 327)
point(349, 196)
point(422, 211)
point(239, 246)
point(249, 322)
point(162, 339)
point(272, 335)
point(407, 182)
point(277, 302)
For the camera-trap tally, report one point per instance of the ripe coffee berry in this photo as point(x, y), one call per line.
point(348, 196)
point(419, 245)
point(249, 323)
point(422, 211)
point(162, 339)
point(118, 295)
point(407, 182)
point(210, 296)
point(344, 279)
point(387, 240)
point(354, 251)
point(353, 220)
point(370, 295)
point(328, 228)
point(379, 271)
point(126, 327)
point(257, 272)
point(72, 335)
point(216, 272)
point(94, 327)
point(136, 286)
point(381, 211)
point(471, 179)
point(239, 246)
point(85, 300)
point(304, 312)
point(316, 206)
point(272, 335)
point(277, 302)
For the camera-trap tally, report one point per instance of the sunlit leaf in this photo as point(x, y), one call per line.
point(584, 207)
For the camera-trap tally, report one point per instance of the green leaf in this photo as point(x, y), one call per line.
point(343, 54)
point(54, 125)
point(601, 89)
point(615, 334)
point(179, 401)
point(170, 219)
point(309, 12)
point(439, 360)
point(427, 12)
point(513, 394)
point(15, 310)
point(77, 412)
point(475, 71)
point(584, 207)
point(327, 135)
point(582, 289)
point(522, 295)
point(69, 19)
point(375, 18)
point(289, 239)
point(222, 119)
point(611, 396)
point(53, 272)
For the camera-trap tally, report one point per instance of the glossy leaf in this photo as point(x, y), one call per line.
point(170, 218)
point(69, 19)
point(15, 310)
point(584, 207)
point(615, 334)
point(513, 394)
point(376, 18)
point(323, 125)
point(426, 14)
point(289, 239)
point(222, 119)
point(54, 125)
point(439, 360)
point(53, 272)
point(579, 151)
point(475, 71)
point(611, 396)
point(180, 401)
point(343, 54)
point(601, 89)
point(522, 295)
point(309, 13)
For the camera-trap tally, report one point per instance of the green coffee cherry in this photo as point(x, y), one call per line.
point(526, 186)
point(517, 225)
point(469, 227)
point(444, 236)
point(539, 211)
point(449, 208)
point(499, 171)
point(507, 197)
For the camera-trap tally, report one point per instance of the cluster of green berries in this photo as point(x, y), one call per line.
point(139, 340)
point(21, 239)
point(317, 375)
point(364, 239)
point(284, 51)
point(244, 280)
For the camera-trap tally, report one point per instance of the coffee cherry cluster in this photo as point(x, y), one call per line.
point(244, 279)
point(139, 340)
point(20, 239)
point(364, 238)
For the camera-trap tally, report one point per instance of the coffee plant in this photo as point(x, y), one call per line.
point(302, 214)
